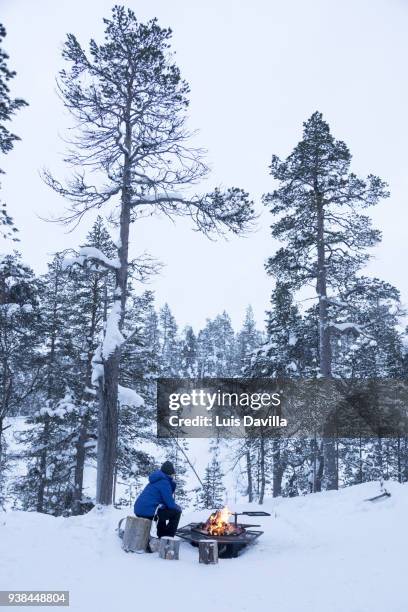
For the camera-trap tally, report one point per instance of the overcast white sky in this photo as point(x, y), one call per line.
point(257, 70)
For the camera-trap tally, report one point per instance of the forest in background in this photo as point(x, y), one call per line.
point(81, 346)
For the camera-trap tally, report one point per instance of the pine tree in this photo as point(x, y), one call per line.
point(248, 339)
point(372, 350)
point(143, 160)
point(50, 439)
point(8, 107)
point(170, 347)
point(72, 315)
point(20, 365)
point(283, 353)
point(316, 205)
point(90, 290)
point(372, 346)
point(216, 348)
point(188, 354)
point(176, 452)
point(139, 369)
point(212, 494)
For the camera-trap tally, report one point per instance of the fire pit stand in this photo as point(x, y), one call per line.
point(229, 545)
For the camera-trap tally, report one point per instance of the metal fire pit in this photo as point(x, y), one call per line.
point(228, 545)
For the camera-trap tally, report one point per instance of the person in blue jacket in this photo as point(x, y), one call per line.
point(157, 498)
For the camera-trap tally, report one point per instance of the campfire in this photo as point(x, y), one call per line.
point(231, 537)
point(218, 524)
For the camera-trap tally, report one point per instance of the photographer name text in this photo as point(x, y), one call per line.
point(219, 421)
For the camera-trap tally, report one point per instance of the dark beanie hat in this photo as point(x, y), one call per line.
point(168, 468)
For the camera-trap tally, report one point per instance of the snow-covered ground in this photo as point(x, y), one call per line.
point(326, 552)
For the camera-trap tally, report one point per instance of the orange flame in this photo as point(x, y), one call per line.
point(218, 523)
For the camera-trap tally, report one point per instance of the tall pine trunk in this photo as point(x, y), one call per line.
point(108, 390)
point(5, 405)
point(249, 476)
point(379, 458)
point(317, 464)
point(277, 471)
point(107, 429)
point(42, 482)
point(262, 470)
point(399, 462)
point(80, 464)
point(360, 461)
point(329, 447)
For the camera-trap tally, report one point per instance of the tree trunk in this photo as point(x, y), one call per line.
point(321, 286)
point(360, 462)
point(108, 390)
point(330, 476)
point(379, 458)
point(107, 431)
point(80, 465)
point(330, 465)
point(43, 466)
point(399, 464)
point(258, 479)
point(249, 475)
point(318, 466)
point(277, 470)
point(262, 470)
point(320, 470)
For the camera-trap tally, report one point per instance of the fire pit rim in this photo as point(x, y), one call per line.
point(191, 533)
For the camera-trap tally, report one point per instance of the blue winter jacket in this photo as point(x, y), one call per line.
point(159, 491)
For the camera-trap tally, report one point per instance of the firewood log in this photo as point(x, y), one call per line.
point(154, 544)
point(208, 552)
point(169, 549)
point(136, 535)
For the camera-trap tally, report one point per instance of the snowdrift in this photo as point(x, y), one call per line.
point(326, 552)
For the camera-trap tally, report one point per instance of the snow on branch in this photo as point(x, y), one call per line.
point(335, 302)
point(113, 338)
point(64, 406)
point(162, 196)
point(346, 327)
point(97, 366)
point(356, 329)
point(93, 254)
point(129, 397)
point(96, 255)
